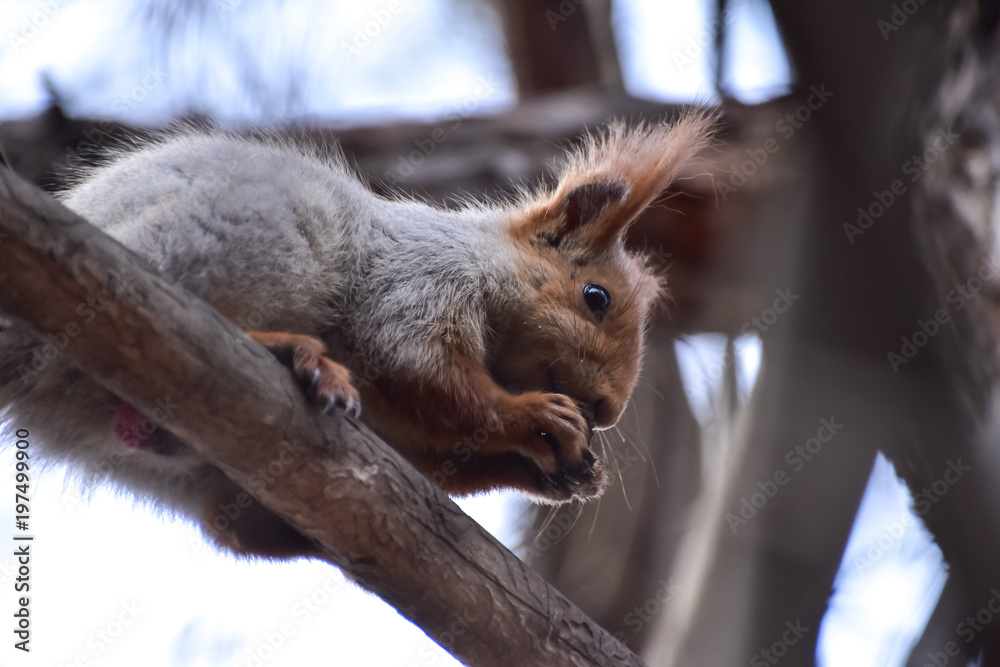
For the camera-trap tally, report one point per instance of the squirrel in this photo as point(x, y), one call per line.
point(485, 342)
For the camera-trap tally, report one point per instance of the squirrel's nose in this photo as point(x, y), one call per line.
point(605, 413)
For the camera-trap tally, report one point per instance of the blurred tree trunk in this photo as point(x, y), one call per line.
point(861, 295)
point(561, 44)
point(955, 219)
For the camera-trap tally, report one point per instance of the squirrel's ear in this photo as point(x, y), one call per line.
point(610, 179)
point(607, 182)
point(576, 215)
point(583, 205)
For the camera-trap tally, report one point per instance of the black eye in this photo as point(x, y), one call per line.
point(598, 300)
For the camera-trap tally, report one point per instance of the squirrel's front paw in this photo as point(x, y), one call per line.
point(329, 383)
point(566, 485)
point(554, 435)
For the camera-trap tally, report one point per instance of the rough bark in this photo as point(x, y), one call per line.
point(369, 511)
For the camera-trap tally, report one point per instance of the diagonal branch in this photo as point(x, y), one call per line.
point(372, 514)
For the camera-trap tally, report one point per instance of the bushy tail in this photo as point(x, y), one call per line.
point(18, 351)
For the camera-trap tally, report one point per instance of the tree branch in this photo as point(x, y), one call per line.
point(371, 513)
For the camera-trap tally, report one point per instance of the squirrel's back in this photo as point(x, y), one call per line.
point(211, 210)
point(277, 238)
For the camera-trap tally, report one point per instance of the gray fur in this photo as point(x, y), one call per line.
point(278, 239)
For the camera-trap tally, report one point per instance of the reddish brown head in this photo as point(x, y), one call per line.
point(580, 329)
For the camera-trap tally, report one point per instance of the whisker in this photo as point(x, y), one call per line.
point(577, 515)
point(552, 511)
point(621, 480)
point(523, 529)
point(652, 388)
point(645, 453)
point(593, 524)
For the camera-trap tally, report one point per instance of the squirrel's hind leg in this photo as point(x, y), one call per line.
point(235, 520)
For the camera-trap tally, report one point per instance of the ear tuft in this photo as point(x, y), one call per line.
point(609, 179)
point(585, 203)
point(625, 169)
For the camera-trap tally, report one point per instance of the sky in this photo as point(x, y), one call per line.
point(113, 581)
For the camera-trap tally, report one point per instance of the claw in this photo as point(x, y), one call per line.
point(350, 405)
point(353, 407)
point(315, 378)
point(574, 481)
point(588, 457)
